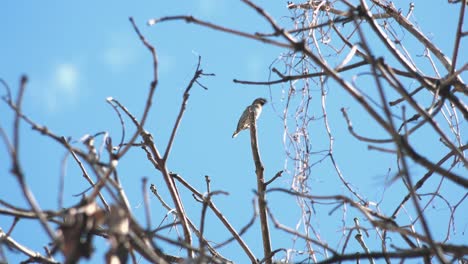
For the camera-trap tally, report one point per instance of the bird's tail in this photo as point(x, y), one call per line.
point(235, 134)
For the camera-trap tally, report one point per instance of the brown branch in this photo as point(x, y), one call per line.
point(148, 139)
point(110, 101)
point(458, 37)
point(206, 202)
point(152, 89)
point(243, 229)
point(198, 73)
point(400, 254)
point(83, 170)
point(412, 69)
point(391, 47)
point(43, 130)
point(142, 247)
point(16, 166)
point(361, 138)
point(261, 187)
point(320, 5)
point(221, 217)
point(360, 240)
point(144, 191)
point(277, 175)
point(291, 231)
point(191, 224)
point(287, 78)
point(33, 256)
point(172, 188)
point(390, 10)
point(51, 216)
point(374, 217)
point(426, 176)
point(191, 19)
point(16, 123)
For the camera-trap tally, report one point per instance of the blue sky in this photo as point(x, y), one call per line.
point(76, 54)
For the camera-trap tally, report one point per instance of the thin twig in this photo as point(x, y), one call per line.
point(191, 19)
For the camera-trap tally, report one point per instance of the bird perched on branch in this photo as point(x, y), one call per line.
point(244, 121)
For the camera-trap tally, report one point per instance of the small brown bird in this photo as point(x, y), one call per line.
point(244, 121)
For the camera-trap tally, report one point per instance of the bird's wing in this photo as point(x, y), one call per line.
point(243, 120)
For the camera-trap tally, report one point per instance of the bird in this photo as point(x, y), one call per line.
point(244, 121)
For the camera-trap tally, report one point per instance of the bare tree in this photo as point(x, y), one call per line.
point(362, 48)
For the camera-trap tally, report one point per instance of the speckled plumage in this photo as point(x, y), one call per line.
point(244, 123)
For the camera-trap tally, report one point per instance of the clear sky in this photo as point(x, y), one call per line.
point(76, 54)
